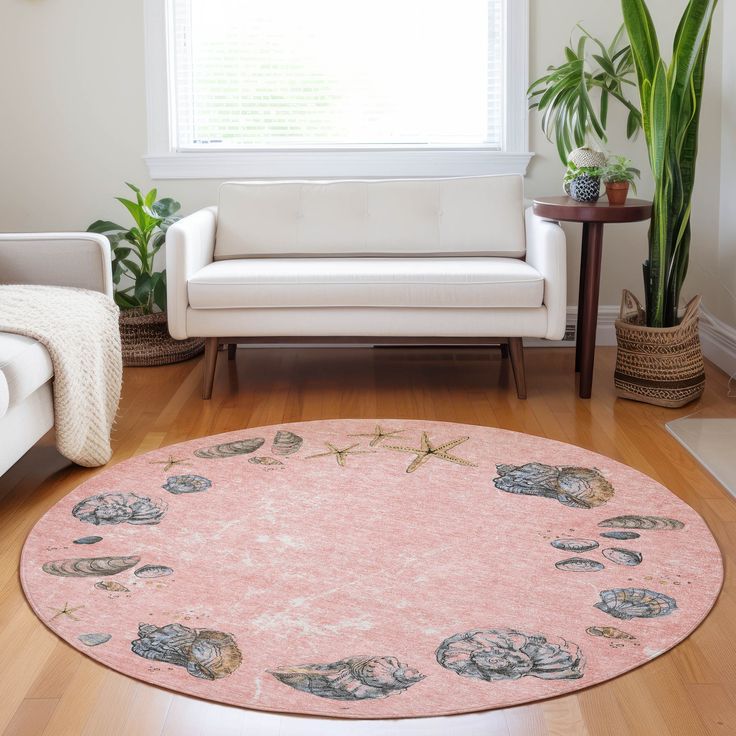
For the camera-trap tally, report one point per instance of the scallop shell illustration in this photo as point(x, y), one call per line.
point(579, 564)
point(84, 567)
point(119, 508)
point(93, 640)
point(230, 449)
point(609, 632)
point(620, 535)
point(632, 521)
point(628, 603)
point(507, 654)
point(188, 483)
point(111, 586)
point(88, 540)
point(574, 545)
point(356, 678)
point(153, 571)
point(207, 654)
point(582, 488)
point(622, 556)
point(263, 460)
point(286, 443)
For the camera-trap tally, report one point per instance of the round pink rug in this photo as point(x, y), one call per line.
point(371, 569)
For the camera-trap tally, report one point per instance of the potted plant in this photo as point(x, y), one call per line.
point(659, 356)
point(618, 175)
point(573, 98)
point(582, 183)
point(140, 289)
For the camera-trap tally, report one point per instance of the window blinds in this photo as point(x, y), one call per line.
point(300, 73)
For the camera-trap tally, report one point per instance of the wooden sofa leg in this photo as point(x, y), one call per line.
point(516, 351)
point(504, 350)
point(210, 362)
point(231, 348)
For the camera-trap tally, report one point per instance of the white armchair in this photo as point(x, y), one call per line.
point(396, 261)
point(26, 372)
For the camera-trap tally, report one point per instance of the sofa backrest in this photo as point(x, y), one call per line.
point(481, 215)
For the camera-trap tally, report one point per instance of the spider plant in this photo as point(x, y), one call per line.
point(671, 102)
point(573, 98)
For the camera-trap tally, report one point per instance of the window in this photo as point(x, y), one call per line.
point(254, 88)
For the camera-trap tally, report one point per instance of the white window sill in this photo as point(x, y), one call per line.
point(377, 162)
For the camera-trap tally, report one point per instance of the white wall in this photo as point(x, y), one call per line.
point(72, 128)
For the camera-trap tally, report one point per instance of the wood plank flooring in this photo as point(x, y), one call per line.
point(49, 689)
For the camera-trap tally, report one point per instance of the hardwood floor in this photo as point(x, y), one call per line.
point(49, 689)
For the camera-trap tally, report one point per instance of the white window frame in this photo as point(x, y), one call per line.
point(165, 162)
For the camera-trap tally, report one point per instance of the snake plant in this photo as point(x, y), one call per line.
point(573, 98)
point(670, 103)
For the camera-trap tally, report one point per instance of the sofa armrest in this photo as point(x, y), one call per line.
point(546, 250)
point(56, 259)
point(190, 245)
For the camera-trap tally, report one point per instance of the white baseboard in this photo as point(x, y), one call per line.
point(717, 338)
point(605, 332)
point(719, 342)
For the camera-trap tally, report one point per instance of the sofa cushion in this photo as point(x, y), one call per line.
point(366, 282)
point(24, 366)
point(480, 215)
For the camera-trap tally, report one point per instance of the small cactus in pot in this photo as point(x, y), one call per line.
point(583, 176)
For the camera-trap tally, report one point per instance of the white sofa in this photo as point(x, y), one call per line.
point(451, 260)
point(26, 372)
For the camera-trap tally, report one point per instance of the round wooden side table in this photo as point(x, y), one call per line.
point(593, 215)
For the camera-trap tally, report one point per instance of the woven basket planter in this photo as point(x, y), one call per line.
point(660, 366)
point(146, 341)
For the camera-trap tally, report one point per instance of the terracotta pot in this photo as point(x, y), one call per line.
point(617, 191)
point(146, 341)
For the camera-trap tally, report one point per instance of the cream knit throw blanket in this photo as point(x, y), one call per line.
point(80, 330)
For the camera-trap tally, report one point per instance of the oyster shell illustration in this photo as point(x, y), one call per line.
point(286, 443)
point(582, 488)
point(153, 571)
point(83, 567)
point(111, 586)
point(264, 460)
point(93, 640)
point(579, 564)
point(507, 654)
point(230, 449)
point(622, 556)
point(88, 540)
point(207, 654)
point(632, 521)
point(188, 483)
point(609, 632)
point(628, 603)
point(119, 508)
point(356, 678)
point(574, 545)
point(620, 535)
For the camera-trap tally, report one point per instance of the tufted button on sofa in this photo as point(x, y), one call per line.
point(449, 260)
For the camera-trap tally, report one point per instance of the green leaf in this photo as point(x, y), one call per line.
point(133, 267)
point(165, 207)
point(159, 291)
point(124, 301)
point(102, 227)
point(136, 211)
point(632, 125)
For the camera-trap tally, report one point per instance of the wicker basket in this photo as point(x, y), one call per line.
point(146, 340)
point(661, 366)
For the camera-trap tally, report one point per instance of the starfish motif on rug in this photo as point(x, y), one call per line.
point(377, 435)
point(168, 464)
point(66, 611)
point(428, 450)
point(341, 455)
